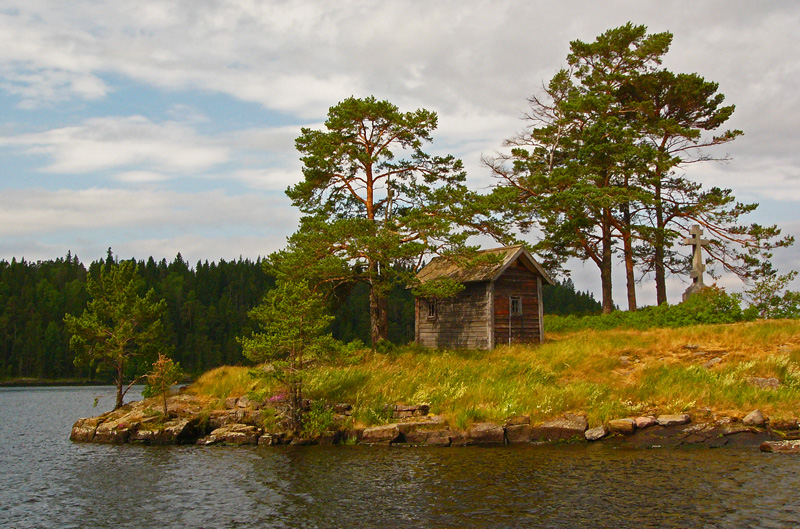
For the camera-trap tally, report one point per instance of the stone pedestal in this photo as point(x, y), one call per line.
point(693, 289)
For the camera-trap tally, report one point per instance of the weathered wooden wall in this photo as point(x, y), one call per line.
point(517, 280)
point(461, 322)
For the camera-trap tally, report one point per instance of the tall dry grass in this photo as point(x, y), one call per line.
point(606, 374)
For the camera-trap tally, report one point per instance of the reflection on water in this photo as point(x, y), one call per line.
point(51, 482)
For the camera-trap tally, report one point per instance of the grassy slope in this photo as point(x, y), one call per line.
point(607, 374)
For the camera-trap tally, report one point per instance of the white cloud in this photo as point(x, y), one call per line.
point(140, 177)
point(300, 55)
point(275, 140)
point(37, 88)
point(114, 142)
point(267, 179)
point(26, 212)
point(475, 63)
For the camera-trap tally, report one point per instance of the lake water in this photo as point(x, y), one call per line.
point(48, 481)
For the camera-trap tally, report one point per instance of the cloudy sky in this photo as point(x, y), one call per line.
point(165, 126)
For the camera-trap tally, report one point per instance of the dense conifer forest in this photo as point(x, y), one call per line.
point(207, 308)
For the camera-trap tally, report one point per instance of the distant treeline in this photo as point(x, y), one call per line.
point(207, 309)
point(563, 299)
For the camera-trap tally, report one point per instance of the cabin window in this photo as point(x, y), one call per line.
point(431, 309)
point(516, 305)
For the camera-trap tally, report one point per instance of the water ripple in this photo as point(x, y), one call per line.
point(51, 482)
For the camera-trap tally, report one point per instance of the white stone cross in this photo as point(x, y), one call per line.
point(697, 254)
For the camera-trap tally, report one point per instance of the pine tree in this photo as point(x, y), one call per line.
point(118, 325)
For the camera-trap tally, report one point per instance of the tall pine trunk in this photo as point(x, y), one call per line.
point(630, 278)
point(627, 245)
point(378, 308)
point(658, 256)
point(605, 266)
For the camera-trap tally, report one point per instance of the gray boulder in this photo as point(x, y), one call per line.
point(754, 418)
point(622, 426)
point(645, 422)
point(595, 434)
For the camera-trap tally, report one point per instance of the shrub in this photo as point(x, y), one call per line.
point(163, 375)
point(711, 306)
point(317, 420)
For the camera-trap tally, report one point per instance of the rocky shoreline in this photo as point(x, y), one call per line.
point(241, 422)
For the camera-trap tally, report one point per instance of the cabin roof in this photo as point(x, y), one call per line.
point(490, 270)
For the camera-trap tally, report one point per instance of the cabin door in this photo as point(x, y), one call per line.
point(515, 320)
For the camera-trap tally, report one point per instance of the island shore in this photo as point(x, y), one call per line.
point(241, 422)
point(711, 385)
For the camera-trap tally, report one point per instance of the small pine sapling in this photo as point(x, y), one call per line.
point(161, 378)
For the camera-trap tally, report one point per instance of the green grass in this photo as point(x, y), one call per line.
point(606, 374)
point(225, 381)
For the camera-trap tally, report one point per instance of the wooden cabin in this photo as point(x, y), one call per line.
point(500, 304)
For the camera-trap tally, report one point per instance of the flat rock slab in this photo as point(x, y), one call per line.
point(487, 433)
point(113, 432)
point(384, 434)
point(402, 411)
point(220, 418)
point(234, 434)
point(673, 420)
point(782, 447)
point(710, 435)
point(519, 433)
point(176, 431)
point(568, 427)
point(432, 437)
point(141, 422)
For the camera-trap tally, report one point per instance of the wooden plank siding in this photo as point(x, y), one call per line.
point(516, 281)
point(480, 317)
point(460, 322)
